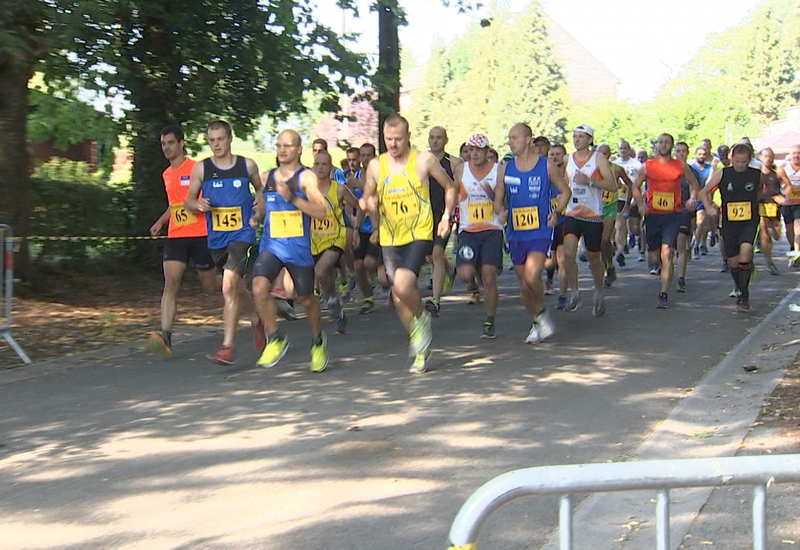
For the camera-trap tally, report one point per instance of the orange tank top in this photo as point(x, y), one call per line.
point(182, 224)
point(663, 186)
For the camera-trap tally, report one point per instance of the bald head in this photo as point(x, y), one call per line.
point(291, 135)
point(437, 139)
point(523, 128)
point(289, 148)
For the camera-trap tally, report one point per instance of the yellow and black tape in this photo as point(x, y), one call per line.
point(76, 239)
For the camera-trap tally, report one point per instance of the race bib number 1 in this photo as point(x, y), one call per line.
point(526, 219)
point(739, 211)
point(226, 219)
point(285, 224)
point(663, 201)
point(479, 212)
point(180, 216)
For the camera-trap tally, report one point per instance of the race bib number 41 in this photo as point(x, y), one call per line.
point(226, 219)
point(739, 211)
point(286, 224)
point(479, 212)
point(525, 219)
point(180, 216)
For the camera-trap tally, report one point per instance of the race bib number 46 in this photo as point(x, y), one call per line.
point(226, 219)
point(525, 219)
point(479, 212)
point(739, 211)
point(286, 224)
point(663, 201)
point(180, 216)
point(400, 205)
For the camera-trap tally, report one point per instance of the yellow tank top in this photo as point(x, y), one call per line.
point(405, 204)
point(329, 231)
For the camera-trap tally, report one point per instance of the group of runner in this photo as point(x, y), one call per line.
point(379, 218)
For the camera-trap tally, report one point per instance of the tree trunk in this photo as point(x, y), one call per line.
point(15, 191)
point(388, 65)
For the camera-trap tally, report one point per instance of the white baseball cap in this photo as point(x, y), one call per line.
point(585, 128)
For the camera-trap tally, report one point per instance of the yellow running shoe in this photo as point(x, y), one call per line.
point(319, 354)
point(273, 352)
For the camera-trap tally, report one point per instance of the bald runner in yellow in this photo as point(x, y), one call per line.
point(405, 204)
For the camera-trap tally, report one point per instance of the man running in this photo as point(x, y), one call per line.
point(186, 237)
point(740, 187)
point(524, 199)
point(662, 218)
point(685, 231)
point(480, 237)
point(627, 162)
point(225, 181)
point(291, 199)
point(589, 175)
point(789, 174)
point(610, 211)
point(770, 228)
point(328, 236)
point(442, 277)
point(397, 197)
point(702, 170)
point(556, 259)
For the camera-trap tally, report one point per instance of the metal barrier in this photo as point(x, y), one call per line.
point(659, 475)
point(7, 291)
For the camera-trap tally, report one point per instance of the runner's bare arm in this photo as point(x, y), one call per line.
point(255, 181)
point(609, 182)
point(636, 190)
point(369, 200)
point(694, 185)
point(705, 193)
point(786, 185)
point(499, 203)
point(314, 203)
point(156, 228)
point(192, 203)
point(557, 179)
point(433, 169)
point(620, 174)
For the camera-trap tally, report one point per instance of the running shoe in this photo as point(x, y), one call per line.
point(611, 276)
point(544, 326)
point(561, 302)
point(432, 306)
point(756, 249)
point(319, 354)
point(599, 308)
point(626, 249)
point(421, 336)
point(475, 298)
point(420, 364)
point(273, 352)
point(342, 287)
point(773, 269)
point(641, 256)
point(681, 284)
point(489, 330)
point(341, 324)
point(367, 306)
point(348, 293)
point(533, 335)
point(259, 338)
point(655, 271)
point(712, 241)
point(621, 259)
point(225, 355)
point(662, 302)
point(548, 289)
point(734, 293)
point(703, 250)
point(582, 257)
point(160, 343)
point(631, 241)
point(696, 252)
point(335, 308)
point(574, 301)
point(285, 309)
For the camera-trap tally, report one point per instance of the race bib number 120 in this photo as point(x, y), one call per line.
point(526, 219)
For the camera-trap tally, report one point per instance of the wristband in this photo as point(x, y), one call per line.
point(446, 217)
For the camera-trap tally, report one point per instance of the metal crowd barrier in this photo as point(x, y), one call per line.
point(658, 475)
point(7, 243)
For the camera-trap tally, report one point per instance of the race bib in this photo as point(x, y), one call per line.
point(286, 224)
point(768, 210)
point(554, 204)
point(739, 211)
point(608, 197)
point(226, 219)
point(622, 189)
point(180, 216)
point(663, 201)
point(324, 228)
point(794, 192)
point(479, 212)
point(400, 205)
point(525, 219)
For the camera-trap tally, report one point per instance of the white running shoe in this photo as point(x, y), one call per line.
point(533, 335)
point(545, 326)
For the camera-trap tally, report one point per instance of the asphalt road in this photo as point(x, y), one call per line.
point(136, 452)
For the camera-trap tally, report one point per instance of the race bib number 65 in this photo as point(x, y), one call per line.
point(180, 216)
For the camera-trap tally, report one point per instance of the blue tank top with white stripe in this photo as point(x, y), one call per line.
point(528, 198)
point(287, 230)
point(231, 203)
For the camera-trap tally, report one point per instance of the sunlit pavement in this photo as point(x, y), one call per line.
point(136, 452)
